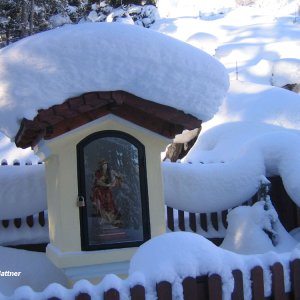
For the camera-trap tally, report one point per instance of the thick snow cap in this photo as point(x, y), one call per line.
point(47, 68)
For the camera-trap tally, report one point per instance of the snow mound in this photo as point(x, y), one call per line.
point(260, 104)
point(219, 185)
point(195, 256)
point(47, 68)
point(248, 228)
point(193, 8)
point(37, 274)
point(286, 71)
point(216, 185)
point(204, 41)
point(174, 256)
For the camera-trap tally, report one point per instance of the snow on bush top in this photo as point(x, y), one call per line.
point(286, 71)
point(47, 68)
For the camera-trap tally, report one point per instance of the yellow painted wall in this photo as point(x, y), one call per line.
point(60, 157)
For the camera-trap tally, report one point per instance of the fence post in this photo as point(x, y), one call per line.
point(224, 218)
point(42, 218)
point(295, 278)
point(192, 221)
point(112, 294)
point(30, 221)
point(203, 221)
point(170, 218)
point(181, 224)
point(215, 287)
point(238, 291)
point(278, 282)
point(164, 290)
point(137, 293)
point(189, 285)
point(257, 278)
point(5, 223)
point(18, 222)
point(202, 286)
point(214, 220)
point(83, 296)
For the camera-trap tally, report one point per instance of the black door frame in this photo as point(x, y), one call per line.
point(82, 190)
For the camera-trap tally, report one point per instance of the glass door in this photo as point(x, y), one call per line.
point(114, 211)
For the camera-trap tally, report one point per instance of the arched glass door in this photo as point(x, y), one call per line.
point(113, 192)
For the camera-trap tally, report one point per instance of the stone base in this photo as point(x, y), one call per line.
point(91, 265)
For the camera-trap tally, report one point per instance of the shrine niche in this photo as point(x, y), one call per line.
point(113, 185)
point(102, 153)
point(145, 99)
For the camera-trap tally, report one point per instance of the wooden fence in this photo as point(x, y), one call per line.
point(195, 221)
point(209, 287)
point(210, 225)
point(39, 218)
point(29, 220)
point(17, 162)
point(14, 230)
point(213, 225)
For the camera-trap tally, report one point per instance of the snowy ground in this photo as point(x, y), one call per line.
point(255, 132)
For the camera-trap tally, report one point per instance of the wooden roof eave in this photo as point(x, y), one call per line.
point(75, 112)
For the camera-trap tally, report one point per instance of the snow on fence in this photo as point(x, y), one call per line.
point(206, 287)
point(23, 188)
point(213, 225)
point(26, 230)
point(31, 229)
point(17, 162)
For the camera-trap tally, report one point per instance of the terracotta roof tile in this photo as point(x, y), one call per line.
point(74, 112)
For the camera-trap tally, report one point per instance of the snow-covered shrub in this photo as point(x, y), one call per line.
point(116, 3)
point(245, 2)
point(286, 71)
point(257, 229)
point(263, 3)
point(59, 20)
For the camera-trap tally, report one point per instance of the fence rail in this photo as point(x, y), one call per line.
point(210, 287)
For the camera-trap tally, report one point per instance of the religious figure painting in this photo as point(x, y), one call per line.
point(113, 181)
point(102, 197)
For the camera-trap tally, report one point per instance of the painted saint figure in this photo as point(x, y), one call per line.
point(102, 197)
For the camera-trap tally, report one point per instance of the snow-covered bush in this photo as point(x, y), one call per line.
point(116, 3)
point(263, 3)
point(286, 71)
point(257, 229)
point(245, 2)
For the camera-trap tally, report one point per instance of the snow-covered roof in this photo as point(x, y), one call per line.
point(75, 112)
point(47, 68)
